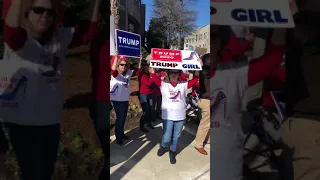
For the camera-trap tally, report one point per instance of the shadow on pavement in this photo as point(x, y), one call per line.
point(139, 145)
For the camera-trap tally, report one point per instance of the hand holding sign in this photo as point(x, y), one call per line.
point(249, 36)
point(293, 7)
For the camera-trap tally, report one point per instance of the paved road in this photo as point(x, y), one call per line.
point(138, 159)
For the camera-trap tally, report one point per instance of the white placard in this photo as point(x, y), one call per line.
point(112, 36)
point(189, 62)
point(253, 13)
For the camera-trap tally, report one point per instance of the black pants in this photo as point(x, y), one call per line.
point(121, 109)
point(100, 114)
point(36, 149)
point(146, 102)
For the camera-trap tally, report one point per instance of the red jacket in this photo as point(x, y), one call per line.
point(155, 89)
point(100, 65)
point(183, 77)
point(234, 49)
point(145, 84)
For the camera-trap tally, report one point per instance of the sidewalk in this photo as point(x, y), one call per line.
point(138, 160)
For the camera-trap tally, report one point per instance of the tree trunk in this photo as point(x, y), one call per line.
point(115, 12)
point(180, 25)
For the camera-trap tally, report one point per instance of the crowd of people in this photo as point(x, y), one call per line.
point(36, 43)
point(162, 95)
point(34, 63)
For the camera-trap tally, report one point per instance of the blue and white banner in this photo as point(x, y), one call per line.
point(128, 44)
point(253, 13)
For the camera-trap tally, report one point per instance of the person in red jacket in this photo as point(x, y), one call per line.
point(228, 85)
point(156, 96)
point(100, 74)
point(145, 96)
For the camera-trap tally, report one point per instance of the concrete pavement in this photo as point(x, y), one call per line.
point(138, 160)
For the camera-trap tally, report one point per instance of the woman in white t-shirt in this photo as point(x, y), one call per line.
point(120, 92)
point(33, 68)
point(174, 95)
point(228, 84)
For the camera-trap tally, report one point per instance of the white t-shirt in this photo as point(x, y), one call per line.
point(227, 90)
point(120, 87)
point(39, 100)
point(173, 100)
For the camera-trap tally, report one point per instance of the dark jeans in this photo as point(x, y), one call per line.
point(36, 149)
point(157, 100)
point(121, 109)
point(100, 114)
point(146, 102)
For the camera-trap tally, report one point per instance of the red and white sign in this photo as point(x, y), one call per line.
point(175, 59)
point(166, 55)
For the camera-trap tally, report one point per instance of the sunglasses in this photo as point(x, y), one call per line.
point(123, 65)
point(41, 10)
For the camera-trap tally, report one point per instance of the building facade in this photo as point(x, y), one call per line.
point(132, 16)
point(199, 39)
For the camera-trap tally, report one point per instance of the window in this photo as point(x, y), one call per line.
point(205, 35)
point(131, 27)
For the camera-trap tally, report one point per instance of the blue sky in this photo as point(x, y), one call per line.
point(202, 7)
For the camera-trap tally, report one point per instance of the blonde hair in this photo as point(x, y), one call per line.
point(128, 65)
point(52, 32)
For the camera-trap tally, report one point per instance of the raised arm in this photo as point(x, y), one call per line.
point(137, 71)
point(14, 36)
point(263, 67)
point(114, 71)
point(234, 48)
point(154, 78)
point(84, 32)
point(194, 80)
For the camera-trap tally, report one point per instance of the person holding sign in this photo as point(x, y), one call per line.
point(145, 96)
point(174, 95)
point(120, 92)
point(35, 48)
point(228, 84)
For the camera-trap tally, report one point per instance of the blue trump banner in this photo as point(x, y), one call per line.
point(128, 44)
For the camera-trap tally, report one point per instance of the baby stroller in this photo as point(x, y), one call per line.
point(266, 126)
point(193, 110)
